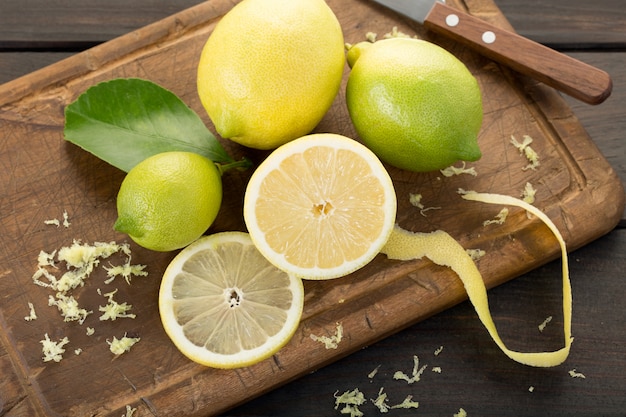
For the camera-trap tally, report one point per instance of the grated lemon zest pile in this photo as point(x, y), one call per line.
point(443, 249)
point(53, 351)
point(80, 260)
point(574, 374)
point(333, 341)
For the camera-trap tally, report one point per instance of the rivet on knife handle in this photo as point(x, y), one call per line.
point(575, 78)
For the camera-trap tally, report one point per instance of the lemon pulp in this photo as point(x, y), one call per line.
point(320, 207)
point(225, 306)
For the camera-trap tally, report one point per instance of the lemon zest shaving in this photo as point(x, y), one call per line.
point(461, 413)
point(525, 148)
point(129, 411)
point(113, 310)
point(407, 403)
point(415, 374)
point(543, 325)
point(575, 374)
point(416, 200)
point(333, 341)
point(66, 221)
point(395, 33)
point(452, 170)
point(68, 307)
point(381, 401)
point(53, 351)
point(443, 249)
point(119, 346)
point(528, 195)
point(32, 315)
point(499, 219)
point(351, 400)
point(372, 374)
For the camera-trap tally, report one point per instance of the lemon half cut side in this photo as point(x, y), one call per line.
point(320, 207)
point(225, 306)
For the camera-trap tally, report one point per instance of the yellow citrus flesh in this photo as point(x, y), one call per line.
point(271, 70)
point(320, 207)
point(414, 104)
point(169, 200)
point(225, 306)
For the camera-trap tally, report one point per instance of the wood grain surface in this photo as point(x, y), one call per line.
point(52, 176)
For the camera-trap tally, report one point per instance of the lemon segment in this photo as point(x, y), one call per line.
point(320, 207)
point(225, 306)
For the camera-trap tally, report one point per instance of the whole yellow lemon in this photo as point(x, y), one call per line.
point(270, 70)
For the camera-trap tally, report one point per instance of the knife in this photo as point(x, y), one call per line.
point(571, 76)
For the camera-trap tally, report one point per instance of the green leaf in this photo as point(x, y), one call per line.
point(124, 121)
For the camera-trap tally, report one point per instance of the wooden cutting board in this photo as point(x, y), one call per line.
point(43, 176)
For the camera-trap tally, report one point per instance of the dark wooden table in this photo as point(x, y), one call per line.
point(475, 375)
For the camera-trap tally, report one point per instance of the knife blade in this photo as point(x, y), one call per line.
point(568, 75)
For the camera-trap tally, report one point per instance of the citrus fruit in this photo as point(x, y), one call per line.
point(169, 200)
point(414, 104)
point(270, 70)
point(224, 305)
point(320, 207)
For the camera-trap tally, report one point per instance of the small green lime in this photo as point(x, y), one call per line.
point(169, 200)
point(414, 104)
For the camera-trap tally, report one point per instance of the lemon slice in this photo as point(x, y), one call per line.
point(225, 306)
point(320, 207)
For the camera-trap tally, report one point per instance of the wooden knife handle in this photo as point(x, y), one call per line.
point(575, 78)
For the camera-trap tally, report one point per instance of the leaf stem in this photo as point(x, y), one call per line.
point(241, 165)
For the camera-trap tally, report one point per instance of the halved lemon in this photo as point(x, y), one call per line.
point(320, 207)
point(224, 305)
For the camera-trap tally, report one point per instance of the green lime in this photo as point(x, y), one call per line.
point(169, 200)
point(414, 104)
